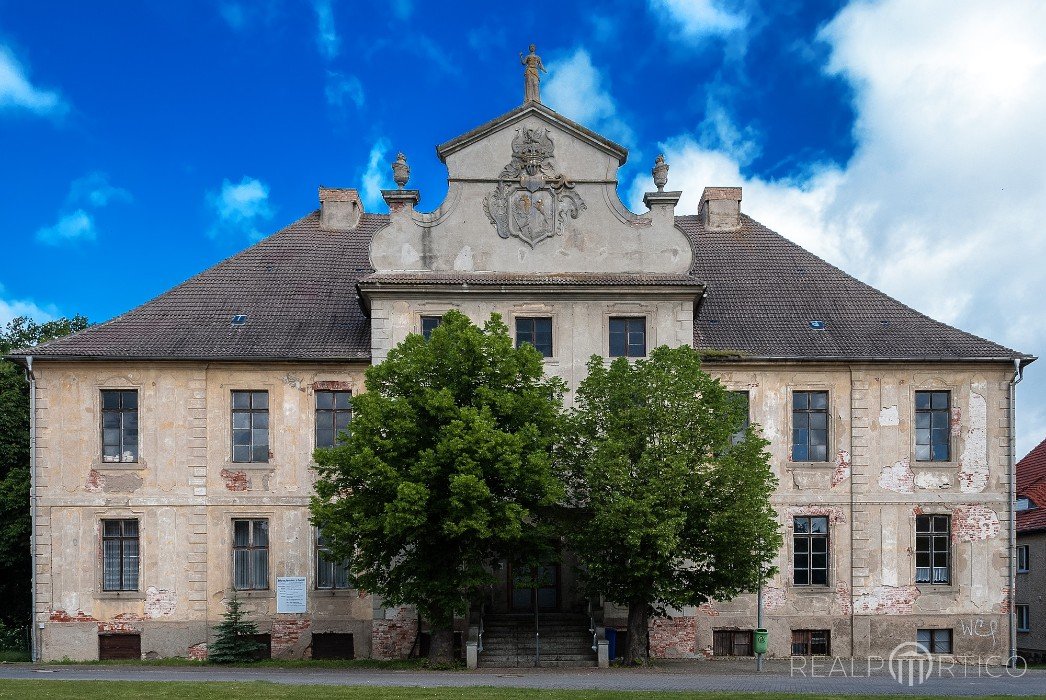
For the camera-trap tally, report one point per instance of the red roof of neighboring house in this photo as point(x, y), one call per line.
point(1031, 482)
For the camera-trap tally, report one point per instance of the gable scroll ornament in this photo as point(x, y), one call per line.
point(532, 200)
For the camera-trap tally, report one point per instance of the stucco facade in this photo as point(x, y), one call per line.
point(532, 226)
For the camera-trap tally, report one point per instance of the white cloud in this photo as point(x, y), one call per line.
point(18, 93)
point(699, 19)
point(327, 39)
point(71, 227)
point(13, 308)
point(576, 90)
point(942, 201)
point(94, 189)
point(75, 224)
point(343, 89)
point(240, 209)
point(376, 175)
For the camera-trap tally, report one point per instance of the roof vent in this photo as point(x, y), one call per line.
point(817, 325)
point(239, 320)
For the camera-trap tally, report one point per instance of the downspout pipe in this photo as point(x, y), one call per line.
point(33, 633)
point(1018, 375)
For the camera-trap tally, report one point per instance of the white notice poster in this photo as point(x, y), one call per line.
point(290, 594)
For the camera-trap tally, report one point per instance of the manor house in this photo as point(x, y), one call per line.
point(172, 444)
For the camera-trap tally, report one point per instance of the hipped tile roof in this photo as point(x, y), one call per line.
point(298, 289)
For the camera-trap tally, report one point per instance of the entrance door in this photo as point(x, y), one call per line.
point(521, 588)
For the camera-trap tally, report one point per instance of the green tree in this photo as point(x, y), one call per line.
point(233, 637)
point(672, 509)
point(15, 563)
point(446, 470)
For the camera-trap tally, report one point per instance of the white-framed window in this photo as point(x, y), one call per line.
point(1023, 559)
point(1023, 618)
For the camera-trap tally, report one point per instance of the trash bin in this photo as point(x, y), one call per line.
point(760, 641)
point(611, 643)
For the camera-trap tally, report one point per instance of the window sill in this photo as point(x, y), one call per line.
point(256, 593)
point(811, 465)
point(810, 590)
point(941, 466)
point(99, 463)
point(249, 466)
point(335, 592)
point(118, 595)
point(937, 588)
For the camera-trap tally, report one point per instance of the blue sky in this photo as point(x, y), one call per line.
point(142, 142)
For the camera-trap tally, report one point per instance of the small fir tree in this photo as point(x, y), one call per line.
point(234, 637)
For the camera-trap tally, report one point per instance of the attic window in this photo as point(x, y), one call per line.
point(817, 325)
point(1023, 503)
point(239, 320)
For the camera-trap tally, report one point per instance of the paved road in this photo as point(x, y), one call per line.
point(730, 676)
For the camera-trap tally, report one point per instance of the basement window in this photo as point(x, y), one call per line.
point(732, 643)
point(811, 642)
point(935, 641)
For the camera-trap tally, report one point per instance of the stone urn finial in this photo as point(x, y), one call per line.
point(660, 173)
point(400, 171)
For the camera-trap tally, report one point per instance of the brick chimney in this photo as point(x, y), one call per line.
point(720, 208)
point(340, 209)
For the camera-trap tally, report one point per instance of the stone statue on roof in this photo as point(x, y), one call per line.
point(531, 76)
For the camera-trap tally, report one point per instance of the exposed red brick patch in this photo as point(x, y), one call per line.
point(773, 598)
point(1004, 606)
point(235, 481)
point(198, 652)
point(972, 522)
point(159, 602)
point(332, 386)
point(285, 634)
point(393, 639)
point(844, 598)
point(707, 609)
point(95, 481)
point(673, 638)
point(119, 627)
point(842, 468)
point(833, 513)
point(956, 421)
point(63, 616)
point(887, 600)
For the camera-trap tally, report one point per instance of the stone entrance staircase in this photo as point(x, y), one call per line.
point(508, 640)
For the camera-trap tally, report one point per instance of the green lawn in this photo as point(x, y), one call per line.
point(135, 690)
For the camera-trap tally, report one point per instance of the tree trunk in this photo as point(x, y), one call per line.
point(638, 649)
point(441, 648)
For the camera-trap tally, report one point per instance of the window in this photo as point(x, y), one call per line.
point(810, 426)
point(537, 332)
point(628, 336)
point(1023, 618)
point(742, 398)
point(329, 573)
point(120, 555)
point(250, 554)
point(810, 551)
point(333, 413)
point(932, 425)
point(1022, 503)
point(810, 643)
point(429, 324)
point(932, 549)
point(732, 643)
point(935, 641)
point(250, 426)
point(1022, 558)
point(119, 425)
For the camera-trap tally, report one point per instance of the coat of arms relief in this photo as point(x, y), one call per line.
point(532, 200)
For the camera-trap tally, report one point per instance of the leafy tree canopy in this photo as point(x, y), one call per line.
point(674, 506)
point(446, 470)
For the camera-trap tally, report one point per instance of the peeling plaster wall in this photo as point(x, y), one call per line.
point(186, 492)
point(872, 491)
